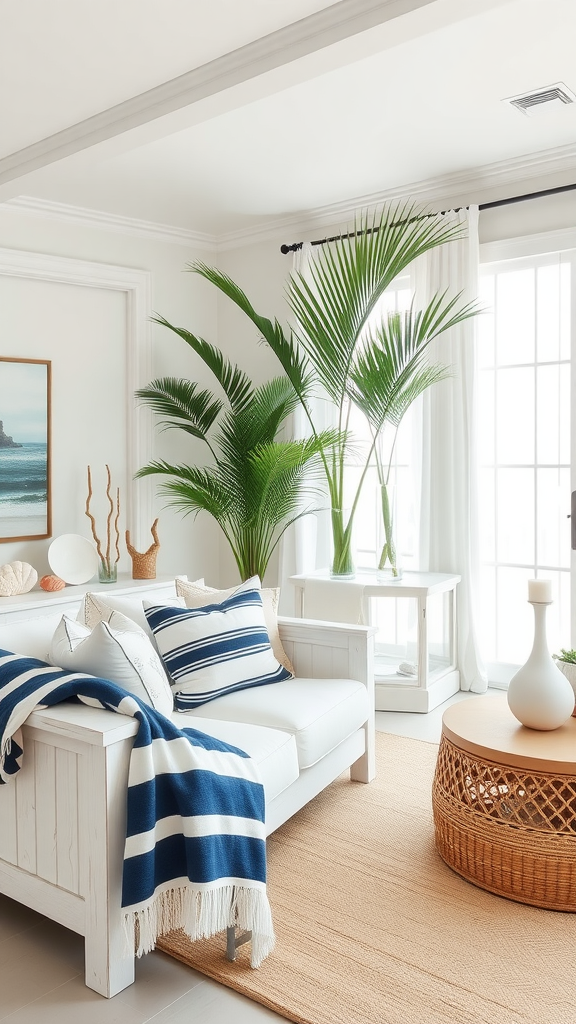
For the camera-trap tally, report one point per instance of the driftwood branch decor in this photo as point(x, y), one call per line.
point(144, 562)
point(107, 570)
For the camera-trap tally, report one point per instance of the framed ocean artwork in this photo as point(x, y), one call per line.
point(25, 512)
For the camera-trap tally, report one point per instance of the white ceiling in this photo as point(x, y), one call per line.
point(339, 102)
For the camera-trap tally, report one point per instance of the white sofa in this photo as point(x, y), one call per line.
point(62, 820)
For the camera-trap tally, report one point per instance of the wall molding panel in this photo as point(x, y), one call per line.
point(136, 286)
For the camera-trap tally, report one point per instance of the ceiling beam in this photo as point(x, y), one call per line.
point(338, 34)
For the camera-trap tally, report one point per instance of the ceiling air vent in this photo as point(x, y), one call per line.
point(541, 100)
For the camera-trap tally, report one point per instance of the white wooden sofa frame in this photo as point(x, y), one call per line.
point(62, 820)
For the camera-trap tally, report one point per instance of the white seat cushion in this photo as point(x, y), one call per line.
point(320, 713)
point(273, 751)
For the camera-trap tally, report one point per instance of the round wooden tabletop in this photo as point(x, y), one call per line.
point(485, 727)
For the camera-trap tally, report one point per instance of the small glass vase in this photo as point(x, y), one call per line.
point(389, 568)
point(342, 567)
point(107, 571)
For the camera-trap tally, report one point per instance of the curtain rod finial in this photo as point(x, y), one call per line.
point(285, 249)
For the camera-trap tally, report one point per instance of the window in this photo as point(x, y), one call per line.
point(524, 371)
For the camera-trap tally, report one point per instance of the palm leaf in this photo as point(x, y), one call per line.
point(182, 405)
point(388, 372)
point(284, 346)
point(193, 489)
point(348, 279)
point(234, 382)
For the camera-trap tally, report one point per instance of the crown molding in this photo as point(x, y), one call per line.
point(112, 222)
point(496, 176)
point(326, 27)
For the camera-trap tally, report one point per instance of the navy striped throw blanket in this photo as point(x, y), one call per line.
point(195, 854)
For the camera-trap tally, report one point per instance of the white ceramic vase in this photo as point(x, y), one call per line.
point(539, 695)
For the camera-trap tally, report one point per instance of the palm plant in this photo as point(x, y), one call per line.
point(337, 348)
point(254, 484)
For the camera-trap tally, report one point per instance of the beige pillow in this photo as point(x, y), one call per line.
point(195, 595)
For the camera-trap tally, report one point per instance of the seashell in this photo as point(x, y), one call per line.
point(16, 578)
point(52, 583)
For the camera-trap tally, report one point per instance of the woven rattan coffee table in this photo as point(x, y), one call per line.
point(504, 800)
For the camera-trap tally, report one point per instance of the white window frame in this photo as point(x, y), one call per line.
point(512, 249)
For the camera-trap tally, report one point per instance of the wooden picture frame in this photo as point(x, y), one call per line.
point(25, 449)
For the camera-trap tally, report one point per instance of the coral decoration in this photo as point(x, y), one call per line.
point(144, 562)
point(16, 578)
point(106, 558)
point(52, 583)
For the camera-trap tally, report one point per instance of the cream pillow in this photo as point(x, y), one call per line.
point(196, 595)
point(117, 650)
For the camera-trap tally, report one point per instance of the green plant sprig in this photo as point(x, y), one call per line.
point(568, 656)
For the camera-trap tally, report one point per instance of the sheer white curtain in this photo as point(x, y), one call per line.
point(449, 478)
point(306, 545)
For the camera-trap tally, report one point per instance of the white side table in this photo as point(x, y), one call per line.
point(416, 641)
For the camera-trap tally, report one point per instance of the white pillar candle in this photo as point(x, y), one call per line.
point(540, 591)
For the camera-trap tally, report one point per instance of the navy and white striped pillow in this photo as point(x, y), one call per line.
point(216, 649)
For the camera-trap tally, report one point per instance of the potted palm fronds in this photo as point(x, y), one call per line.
point(253, 484)
point(343, 348)
point(566, 662)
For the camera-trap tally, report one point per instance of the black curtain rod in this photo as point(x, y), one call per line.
point(483, 206)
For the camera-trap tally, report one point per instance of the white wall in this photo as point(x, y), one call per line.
point(84, 336)
point(83, 331)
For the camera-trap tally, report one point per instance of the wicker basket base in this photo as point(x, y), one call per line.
point(509, 831)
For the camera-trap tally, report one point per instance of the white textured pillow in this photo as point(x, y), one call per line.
point(98, 608)
point(117, 650)
point(197, 594)
point(216, 649)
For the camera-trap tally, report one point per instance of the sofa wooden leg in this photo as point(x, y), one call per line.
point(364, 769)
point(233, 941)
point(107, 971)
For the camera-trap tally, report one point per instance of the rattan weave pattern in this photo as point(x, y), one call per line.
point(510, 831)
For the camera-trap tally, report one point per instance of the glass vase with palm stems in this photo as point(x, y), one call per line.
point(389, 566)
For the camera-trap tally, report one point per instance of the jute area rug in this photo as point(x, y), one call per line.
point(373, 928)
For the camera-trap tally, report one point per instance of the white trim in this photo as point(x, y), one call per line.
point(112, 222)
point(528, 245)
point(136, 286)
point(504, 175)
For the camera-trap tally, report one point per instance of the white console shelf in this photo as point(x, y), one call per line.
point(421, 635)
point(37, 598)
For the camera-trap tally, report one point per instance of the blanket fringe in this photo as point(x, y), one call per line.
point(202, 914)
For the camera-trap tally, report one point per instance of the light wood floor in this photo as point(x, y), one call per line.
point(41, 963)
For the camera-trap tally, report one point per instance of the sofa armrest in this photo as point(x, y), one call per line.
point(329, 650)
point(336, 650)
